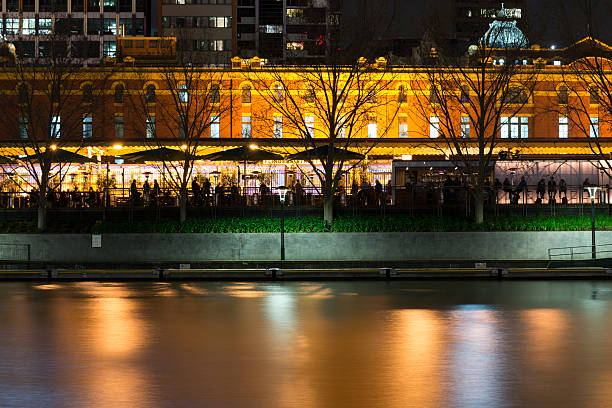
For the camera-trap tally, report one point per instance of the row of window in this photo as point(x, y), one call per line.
point(76, 6)
point(95, 26)
point(197, 22)
point(511, 127)
point(181, 2)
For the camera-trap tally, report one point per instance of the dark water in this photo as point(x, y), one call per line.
point(339, 344)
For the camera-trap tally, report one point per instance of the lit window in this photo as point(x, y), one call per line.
point(277, 129)
point(44, 26)
point(182, 94)
point(309, 121)
point(12, 26)
point(557, 63)
point(515, 127)
point(403, 127)
point(465, 127)
point(55, 127)
point(118, 126)
point(87, 127)
point(23, 127)
point(295, 45)
point(594, 127)
point(563, 128)
point(215, 127)
point(110, 48)
point(434, 127)
point(29, 26)
point(150, 127)
point(246, 126)
point(372, 128)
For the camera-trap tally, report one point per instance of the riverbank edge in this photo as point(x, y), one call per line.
point(395, 249)
point(280, 274)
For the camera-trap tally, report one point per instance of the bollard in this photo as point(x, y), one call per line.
point(274, 272)
point(387, 272)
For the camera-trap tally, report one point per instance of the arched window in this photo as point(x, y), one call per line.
point(594, 95)
point(246, 94)
point(277, 91)
point(516, 95)
point(465, 93)
point(433, 94)
point(310, 94)
point(150, 93)
point(23, 93)
point(215, 94)
point(87, 93)
point(402, 97)
point(119, 90)
point(563, 95)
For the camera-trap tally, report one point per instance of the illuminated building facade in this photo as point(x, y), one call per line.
point(536, 136)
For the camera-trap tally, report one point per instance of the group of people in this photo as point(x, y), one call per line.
point(543, 187)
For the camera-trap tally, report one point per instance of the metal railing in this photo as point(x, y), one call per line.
point(579, 252)
point(15, 252)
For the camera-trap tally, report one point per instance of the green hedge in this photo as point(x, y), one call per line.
point(360, 224)
point(316, 224)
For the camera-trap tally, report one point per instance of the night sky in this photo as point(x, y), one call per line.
point(545, 22)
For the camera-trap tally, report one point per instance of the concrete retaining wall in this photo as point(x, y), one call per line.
point(456, 246)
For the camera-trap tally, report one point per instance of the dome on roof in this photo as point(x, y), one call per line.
point(504, 34)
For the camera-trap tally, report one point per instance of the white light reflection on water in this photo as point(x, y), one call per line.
point(476, 364)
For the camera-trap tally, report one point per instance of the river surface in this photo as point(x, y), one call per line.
point(329, 344)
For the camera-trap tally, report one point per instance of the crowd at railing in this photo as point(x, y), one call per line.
point(365, 195)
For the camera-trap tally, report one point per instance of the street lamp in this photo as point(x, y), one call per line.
point(282, 195)
point(592, 189)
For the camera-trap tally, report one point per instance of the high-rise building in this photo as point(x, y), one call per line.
point(204, 28)
point(81, 28)
point(278, 31)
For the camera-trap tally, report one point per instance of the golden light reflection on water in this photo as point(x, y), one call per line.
point(417, 357)
point(365, 344)
point(546, 336)
point(116, 336)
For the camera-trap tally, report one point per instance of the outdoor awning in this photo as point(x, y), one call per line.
point(162, 154)
point(323, 151)
point(242, 154)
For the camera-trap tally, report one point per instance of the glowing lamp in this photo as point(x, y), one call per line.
point(282, 193)
point(592, 189)
point(117, 146)
point(253, 147)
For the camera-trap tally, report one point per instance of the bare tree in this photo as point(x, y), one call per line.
point(469, 104)
point(50, 103)
point(188, 109)
point(329, 105)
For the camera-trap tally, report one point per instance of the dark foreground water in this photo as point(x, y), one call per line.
point(338, 344)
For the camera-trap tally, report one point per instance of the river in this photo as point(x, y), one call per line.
point(306, 344)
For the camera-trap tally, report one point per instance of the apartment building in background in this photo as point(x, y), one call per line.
point(79, 28)
point(278, 31)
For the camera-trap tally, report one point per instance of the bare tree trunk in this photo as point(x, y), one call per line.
point(478, 206)
point(42, 214)
point(328, 209)
point(42, 202)
point(183, 204)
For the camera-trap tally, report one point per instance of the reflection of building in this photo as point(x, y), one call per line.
point(85, 29)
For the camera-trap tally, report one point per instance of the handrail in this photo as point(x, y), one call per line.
point(571, 251)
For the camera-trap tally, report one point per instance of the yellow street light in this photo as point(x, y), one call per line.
point(53, 147)
point(253, 147)
point(117, 146)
